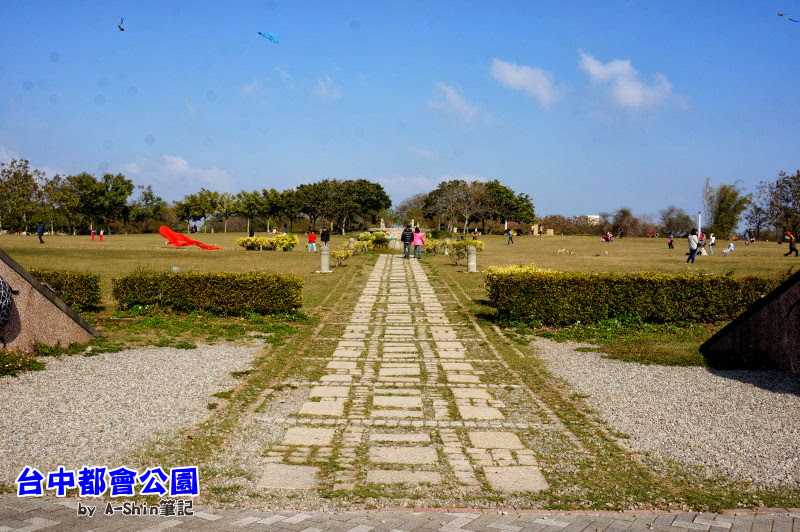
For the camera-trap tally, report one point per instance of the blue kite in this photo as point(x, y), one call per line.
point(270, 37)
point(121, 24)
point(787, 17)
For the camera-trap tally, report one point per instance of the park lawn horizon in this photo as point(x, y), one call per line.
point(121, 254)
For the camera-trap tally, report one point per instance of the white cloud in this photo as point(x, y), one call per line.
point(174, 170)
point(448, 100)
point(424, 154)
point(326, 89)
point(6, 154)
point(534, 82)
point(250, 88)
point(624, 86)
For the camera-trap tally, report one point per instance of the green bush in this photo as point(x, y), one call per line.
point(344, 252)
point(223, 293)
point(263, 243)
point(79, 290)
point(434, 246)
point(524, 293)
point(457, 250)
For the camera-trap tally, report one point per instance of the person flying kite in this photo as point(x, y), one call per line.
point(787, 17)
point(121, 25)
point(270, 37)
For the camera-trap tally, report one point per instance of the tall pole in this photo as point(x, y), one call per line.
point(699, 220)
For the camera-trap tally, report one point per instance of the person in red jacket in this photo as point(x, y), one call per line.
point(312, 242)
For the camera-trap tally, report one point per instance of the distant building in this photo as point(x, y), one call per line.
point(594, 219)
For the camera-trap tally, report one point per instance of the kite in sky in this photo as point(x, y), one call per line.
point(787, 17)
point(120, 25)
point(270, 36)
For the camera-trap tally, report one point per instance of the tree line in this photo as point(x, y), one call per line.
point(79, 202)
point(772, 210)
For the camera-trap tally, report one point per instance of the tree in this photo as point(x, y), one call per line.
point(623, 223)
point(197, 207)
point(225, 207)
point(250, 205)
point(412, 208)
point(19, 185)
point(115, 190)
point(505, 204)
point(675, 220)
point(781, 201)
point(457, 200)
point(724, 207)
point(147, 206)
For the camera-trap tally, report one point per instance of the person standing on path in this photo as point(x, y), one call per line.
point(312, 242)
point(711, 240)
point(510, 237)
point(692, 245)
point(792, 244)
point(325, 236)
point(40, 233)
point(407, 238)
point(419, 239)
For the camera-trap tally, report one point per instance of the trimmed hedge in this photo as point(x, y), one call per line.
point(79, 290)
point(225, 293)
point(263, 243)
point(524, 293)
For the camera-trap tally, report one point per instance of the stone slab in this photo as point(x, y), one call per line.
point(403, 455)
point(479, 412)
point(381, 413)
point(400, 438)
point(397, 402)
point(340, 364)
point(514, 479)
point(336, 378)
point(463, 378)
point(383, 476)
point(495, 440)
point(330, 391)
point(457, 366)
point(398, 372)
point(322, 408)
point(289, 477)
point(471, 393)
point(308, 436)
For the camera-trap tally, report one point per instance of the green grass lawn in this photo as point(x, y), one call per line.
point(121, 254)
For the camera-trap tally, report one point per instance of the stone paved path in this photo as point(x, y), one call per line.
point(402, 402)
point(61, 515)
point(410, 402)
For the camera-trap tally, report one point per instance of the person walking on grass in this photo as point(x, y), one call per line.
point(669, 242)
point(711, 241)
point(102, 232)
point(792, 244)
point(407, 238)
point(40, 233)
point(419, 240)
point(692, 246)
point(312, 242)
point(510, 236)
point(325, 236)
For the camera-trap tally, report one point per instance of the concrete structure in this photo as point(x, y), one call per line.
point(767, 334)
point(37, 314)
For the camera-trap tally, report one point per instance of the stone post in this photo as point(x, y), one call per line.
point(324, 259)
point(472, 259)
point(446, 243)
point(352, 243)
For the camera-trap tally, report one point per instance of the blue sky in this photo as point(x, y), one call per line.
point(585, 105)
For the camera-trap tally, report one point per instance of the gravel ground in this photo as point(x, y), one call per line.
point(743, 424)
point(94, 410)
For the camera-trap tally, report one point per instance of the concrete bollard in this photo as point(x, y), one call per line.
point(472, 259)
point(352, 242)
point(446, 243)
point(324, 260)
